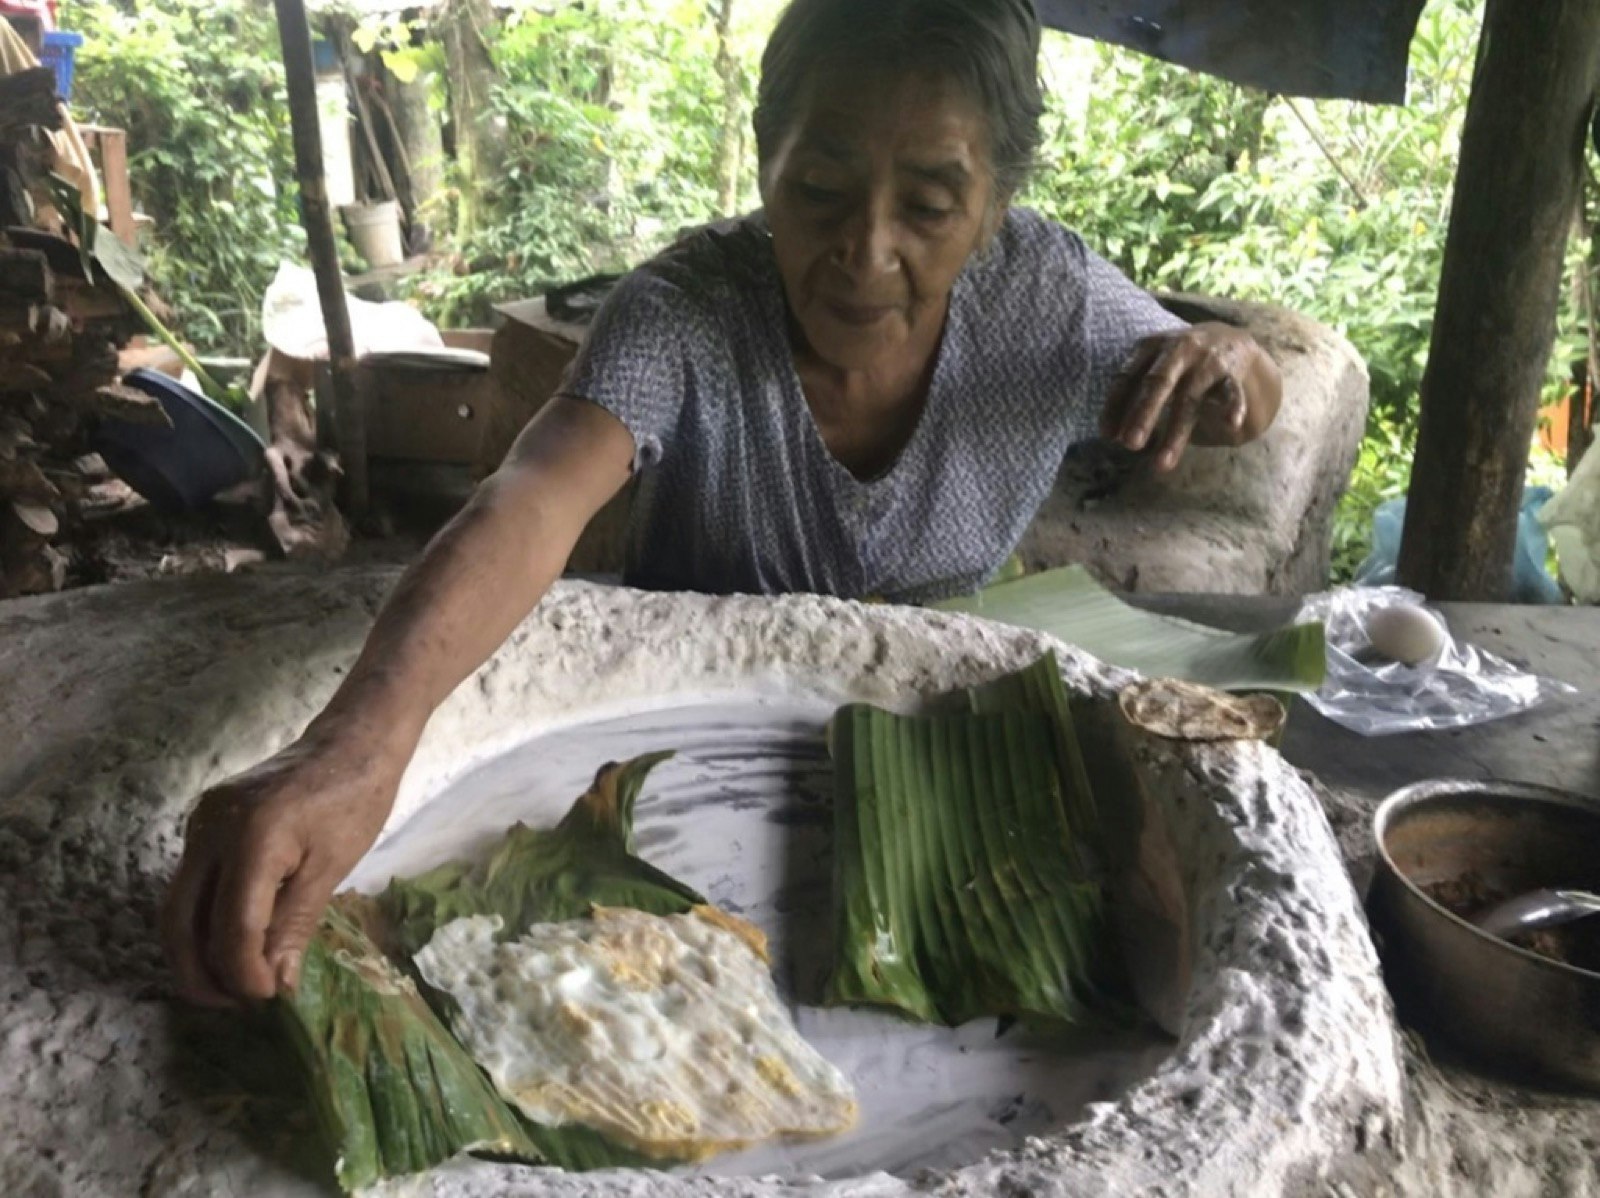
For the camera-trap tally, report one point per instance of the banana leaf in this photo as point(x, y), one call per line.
point(544, 876)
point(960, 881)
point(393, 1090)
point(1071, 606)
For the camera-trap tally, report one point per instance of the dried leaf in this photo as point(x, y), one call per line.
point(21, 478)
point(36, 518)
point(121, 402)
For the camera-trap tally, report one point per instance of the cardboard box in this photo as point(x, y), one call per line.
point(528, 358)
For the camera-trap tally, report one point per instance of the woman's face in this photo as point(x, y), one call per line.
point(876, 198)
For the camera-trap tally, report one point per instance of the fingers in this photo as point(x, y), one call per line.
point(242, 910)
point(1153, 392)
point(184, 919)
point(1192, 396)
point(1127, 386)
point(263, 854)
point(1177, 389)
point(299, 909)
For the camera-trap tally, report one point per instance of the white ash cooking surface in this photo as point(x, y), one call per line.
point(129, 700)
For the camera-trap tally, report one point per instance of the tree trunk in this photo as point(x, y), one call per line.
point(349, 418)
point(480, 137)
point(417, 127)
point(730, 140)
point(1517, 189)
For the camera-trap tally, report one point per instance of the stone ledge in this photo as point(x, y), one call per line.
point(1227, 521)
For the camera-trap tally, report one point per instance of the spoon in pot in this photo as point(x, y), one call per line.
point(1537, 909)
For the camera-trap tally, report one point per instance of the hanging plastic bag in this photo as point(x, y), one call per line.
point(1531, 582)
point(1572, 519)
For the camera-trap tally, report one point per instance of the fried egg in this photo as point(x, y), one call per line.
point(663, 1032)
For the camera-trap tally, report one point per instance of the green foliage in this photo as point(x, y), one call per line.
point(614, 113)
point(1337, 210)
point(199, 87)
point(1382, 470)
point(1194, 184)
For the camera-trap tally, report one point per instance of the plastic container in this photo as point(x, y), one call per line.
point(208, 449)
point(375, 232)
point(58, 52)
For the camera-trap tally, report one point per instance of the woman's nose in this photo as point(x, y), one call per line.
point(866, 244)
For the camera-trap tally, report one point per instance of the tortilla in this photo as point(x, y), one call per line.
point(1179, 710)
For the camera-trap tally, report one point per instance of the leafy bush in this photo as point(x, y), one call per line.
point(199, 87)
point(1337, 210)
point(613, 111)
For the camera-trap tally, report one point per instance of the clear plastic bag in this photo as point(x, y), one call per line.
point(1459, 685)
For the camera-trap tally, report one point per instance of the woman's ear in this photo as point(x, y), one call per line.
point(993, 218)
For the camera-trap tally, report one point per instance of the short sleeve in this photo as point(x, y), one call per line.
point(636, 360)
point(1118, 314)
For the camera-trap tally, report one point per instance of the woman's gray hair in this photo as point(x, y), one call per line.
point(989, 46)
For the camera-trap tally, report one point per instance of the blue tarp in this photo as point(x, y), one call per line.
point(1349, 49)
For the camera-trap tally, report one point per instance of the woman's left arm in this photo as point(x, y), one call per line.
point(1207, 384)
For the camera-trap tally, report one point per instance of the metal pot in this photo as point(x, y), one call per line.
point(1511, 1009)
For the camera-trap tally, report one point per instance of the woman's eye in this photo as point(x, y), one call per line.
point(928, 212)
point(813, 193)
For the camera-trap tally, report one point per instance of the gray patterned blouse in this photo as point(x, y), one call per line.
point(738, 493)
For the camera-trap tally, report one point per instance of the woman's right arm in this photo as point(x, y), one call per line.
point(264, 851)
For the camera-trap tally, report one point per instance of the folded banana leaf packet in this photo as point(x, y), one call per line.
point(393, 1089)
point(963, 871)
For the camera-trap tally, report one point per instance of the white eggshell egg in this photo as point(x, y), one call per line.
point(1405, 632)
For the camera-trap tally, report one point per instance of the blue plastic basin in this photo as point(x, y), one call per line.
point(208, 449)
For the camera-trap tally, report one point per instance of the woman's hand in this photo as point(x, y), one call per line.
point(264, 851)
point(263, 854)
point(1209, 384)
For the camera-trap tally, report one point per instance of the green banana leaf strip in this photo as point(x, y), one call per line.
point(1071, 606)
point(959, 887)
point(1039, 688)
point(393, 1089)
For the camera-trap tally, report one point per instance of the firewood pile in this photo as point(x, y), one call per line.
point(59, 335)
point(65, 334)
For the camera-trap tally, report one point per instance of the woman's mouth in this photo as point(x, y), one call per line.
point(859, 315)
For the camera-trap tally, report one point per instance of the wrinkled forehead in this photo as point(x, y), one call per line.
point(917, 118)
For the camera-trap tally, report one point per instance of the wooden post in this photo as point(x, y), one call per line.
point(729, 138)
point(1517, 188)
point(417, 132)
point(113, 144)
point(350, 420)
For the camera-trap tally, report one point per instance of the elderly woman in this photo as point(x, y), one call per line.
point(865, 389)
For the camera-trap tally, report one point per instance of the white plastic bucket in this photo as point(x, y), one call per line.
point(375, 232)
